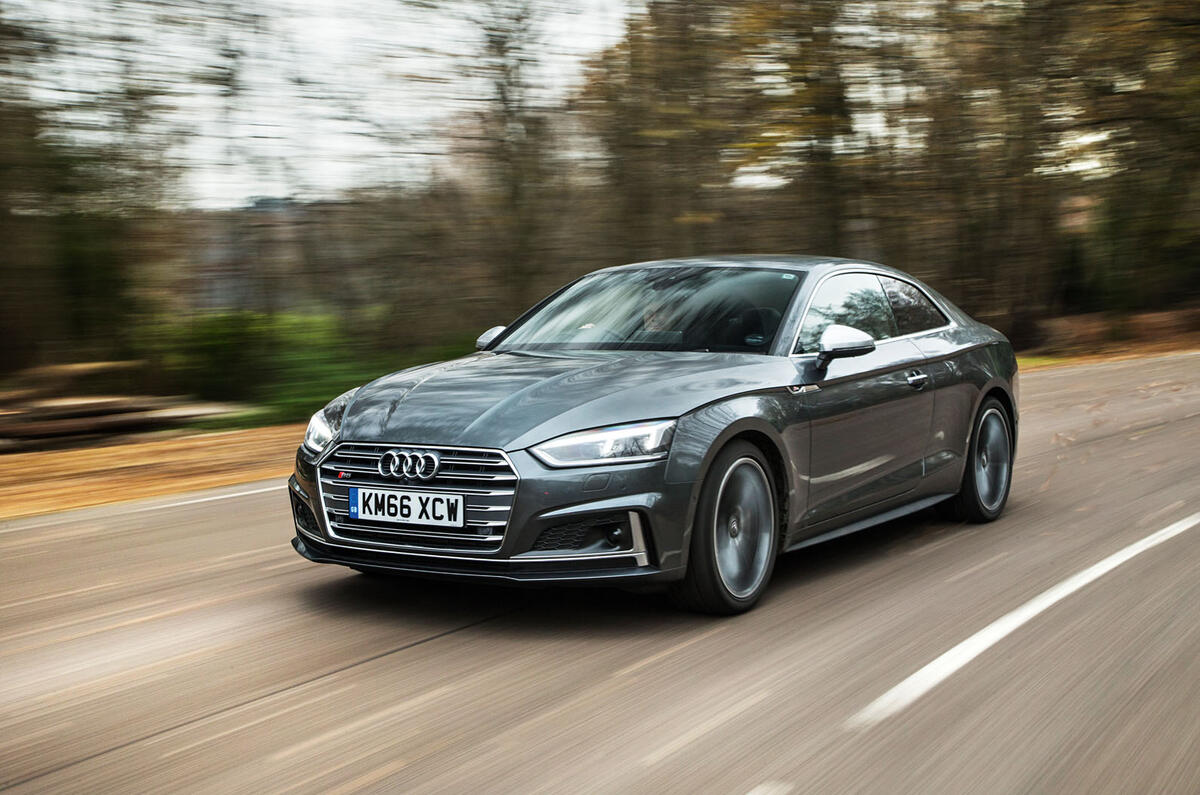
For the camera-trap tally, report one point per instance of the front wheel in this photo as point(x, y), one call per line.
point(988, 473)
point(735, 537)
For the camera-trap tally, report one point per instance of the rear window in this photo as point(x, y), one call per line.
point(913, 310)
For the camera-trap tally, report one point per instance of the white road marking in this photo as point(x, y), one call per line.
point(144, 508)
point(936, 672)
point(179, 504)
point(703, 728)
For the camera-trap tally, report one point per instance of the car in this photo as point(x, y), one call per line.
point(675, 424)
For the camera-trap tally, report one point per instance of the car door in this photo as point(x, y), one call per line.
point(919, 318)
point(870, 414)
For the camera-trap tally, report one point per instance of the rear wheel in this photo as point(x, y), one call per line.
point(735, 536)
point(988, 473)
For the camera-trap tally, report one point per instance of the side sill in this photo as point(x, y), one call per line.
point(870, 521)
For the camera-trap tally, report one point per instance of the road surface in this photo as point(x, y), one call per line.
point(180, 644)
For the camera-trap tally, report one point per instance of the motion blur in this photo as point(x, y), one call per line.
point(216, 216)
point(209, 189)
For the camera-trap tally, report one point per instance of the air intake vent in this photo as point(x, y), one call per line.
point(599, 534)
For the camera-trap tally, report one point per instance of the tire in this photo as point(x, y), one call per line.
point(735, 536)
point(987, 476)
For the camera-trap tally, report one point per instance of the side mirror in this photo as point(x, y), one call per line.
point(841, 342)
point(487, 337)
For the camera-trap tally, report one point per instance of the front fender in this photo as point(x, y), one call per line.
point(774, 420)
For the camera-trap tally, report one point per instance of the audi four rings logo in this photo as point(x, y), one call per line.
point(409, 464)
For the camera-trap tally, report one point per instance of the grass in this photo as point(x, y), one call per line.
point(283, 366)
point(293, 392)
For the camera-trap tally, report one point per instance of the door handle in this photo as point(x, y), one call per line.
point(917, 379)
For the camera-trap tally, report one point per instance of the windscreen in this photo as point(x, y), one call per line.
point(663, 309)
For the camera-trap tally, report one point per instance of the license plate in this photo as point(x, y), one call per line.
point(407, 507)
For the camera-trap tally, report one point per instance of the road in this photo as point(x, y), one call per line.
point(180, 644)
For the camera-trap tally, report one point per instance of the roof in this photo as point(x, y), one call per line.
point(815, 267)
point(794, 262)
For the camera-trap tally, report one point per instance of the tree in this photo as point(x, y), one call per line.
point(666, 104)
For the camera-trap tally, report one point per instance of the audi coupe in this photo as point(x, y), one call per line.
point(676, 424)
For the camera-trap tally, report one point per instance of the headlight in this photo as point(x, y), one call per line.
point(620, 444)
point(325, 424)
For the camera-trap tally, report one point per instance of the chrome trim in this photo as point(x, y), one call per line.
point(482, 476)
point(851, 269)
point(330, 515)
point(300, 492)
point(464, 489)
point(448, 536)
point(641, 559)
point(409, 464)
point(300, 530)
point(345, 521)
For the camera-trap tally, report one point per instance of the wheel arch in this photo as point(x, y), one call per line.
point(777, 469)
point(1006, 401)
point(767, 438)
point(999, 390)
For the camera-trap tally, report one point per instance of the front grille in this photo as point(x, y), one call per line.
point(485, 478)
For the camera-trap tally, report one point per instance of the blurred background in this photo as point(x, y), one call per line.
point(258, 205)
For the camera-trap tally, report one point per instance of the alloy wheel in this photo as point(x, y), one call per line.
point(993, 459)
point(742, 527)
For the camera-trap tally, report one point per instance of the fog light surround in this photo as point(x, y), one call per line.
point(303, 516)
point(616, 534)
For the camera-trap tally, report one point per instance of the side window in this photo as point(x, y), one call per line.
point(913, 310)
point(851, 299)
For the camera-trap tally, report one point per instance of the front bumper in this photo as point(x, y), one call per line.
point(608, 572)
point(657, 513)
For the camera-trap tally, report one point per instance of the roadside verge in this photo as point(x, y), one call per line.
point(60, 480)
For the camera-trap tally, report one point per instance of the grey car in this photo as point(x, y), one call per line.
point(676, 423)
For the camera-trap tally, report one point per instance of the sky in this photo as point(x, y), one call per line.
point(333, 95)
point(389, 96)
